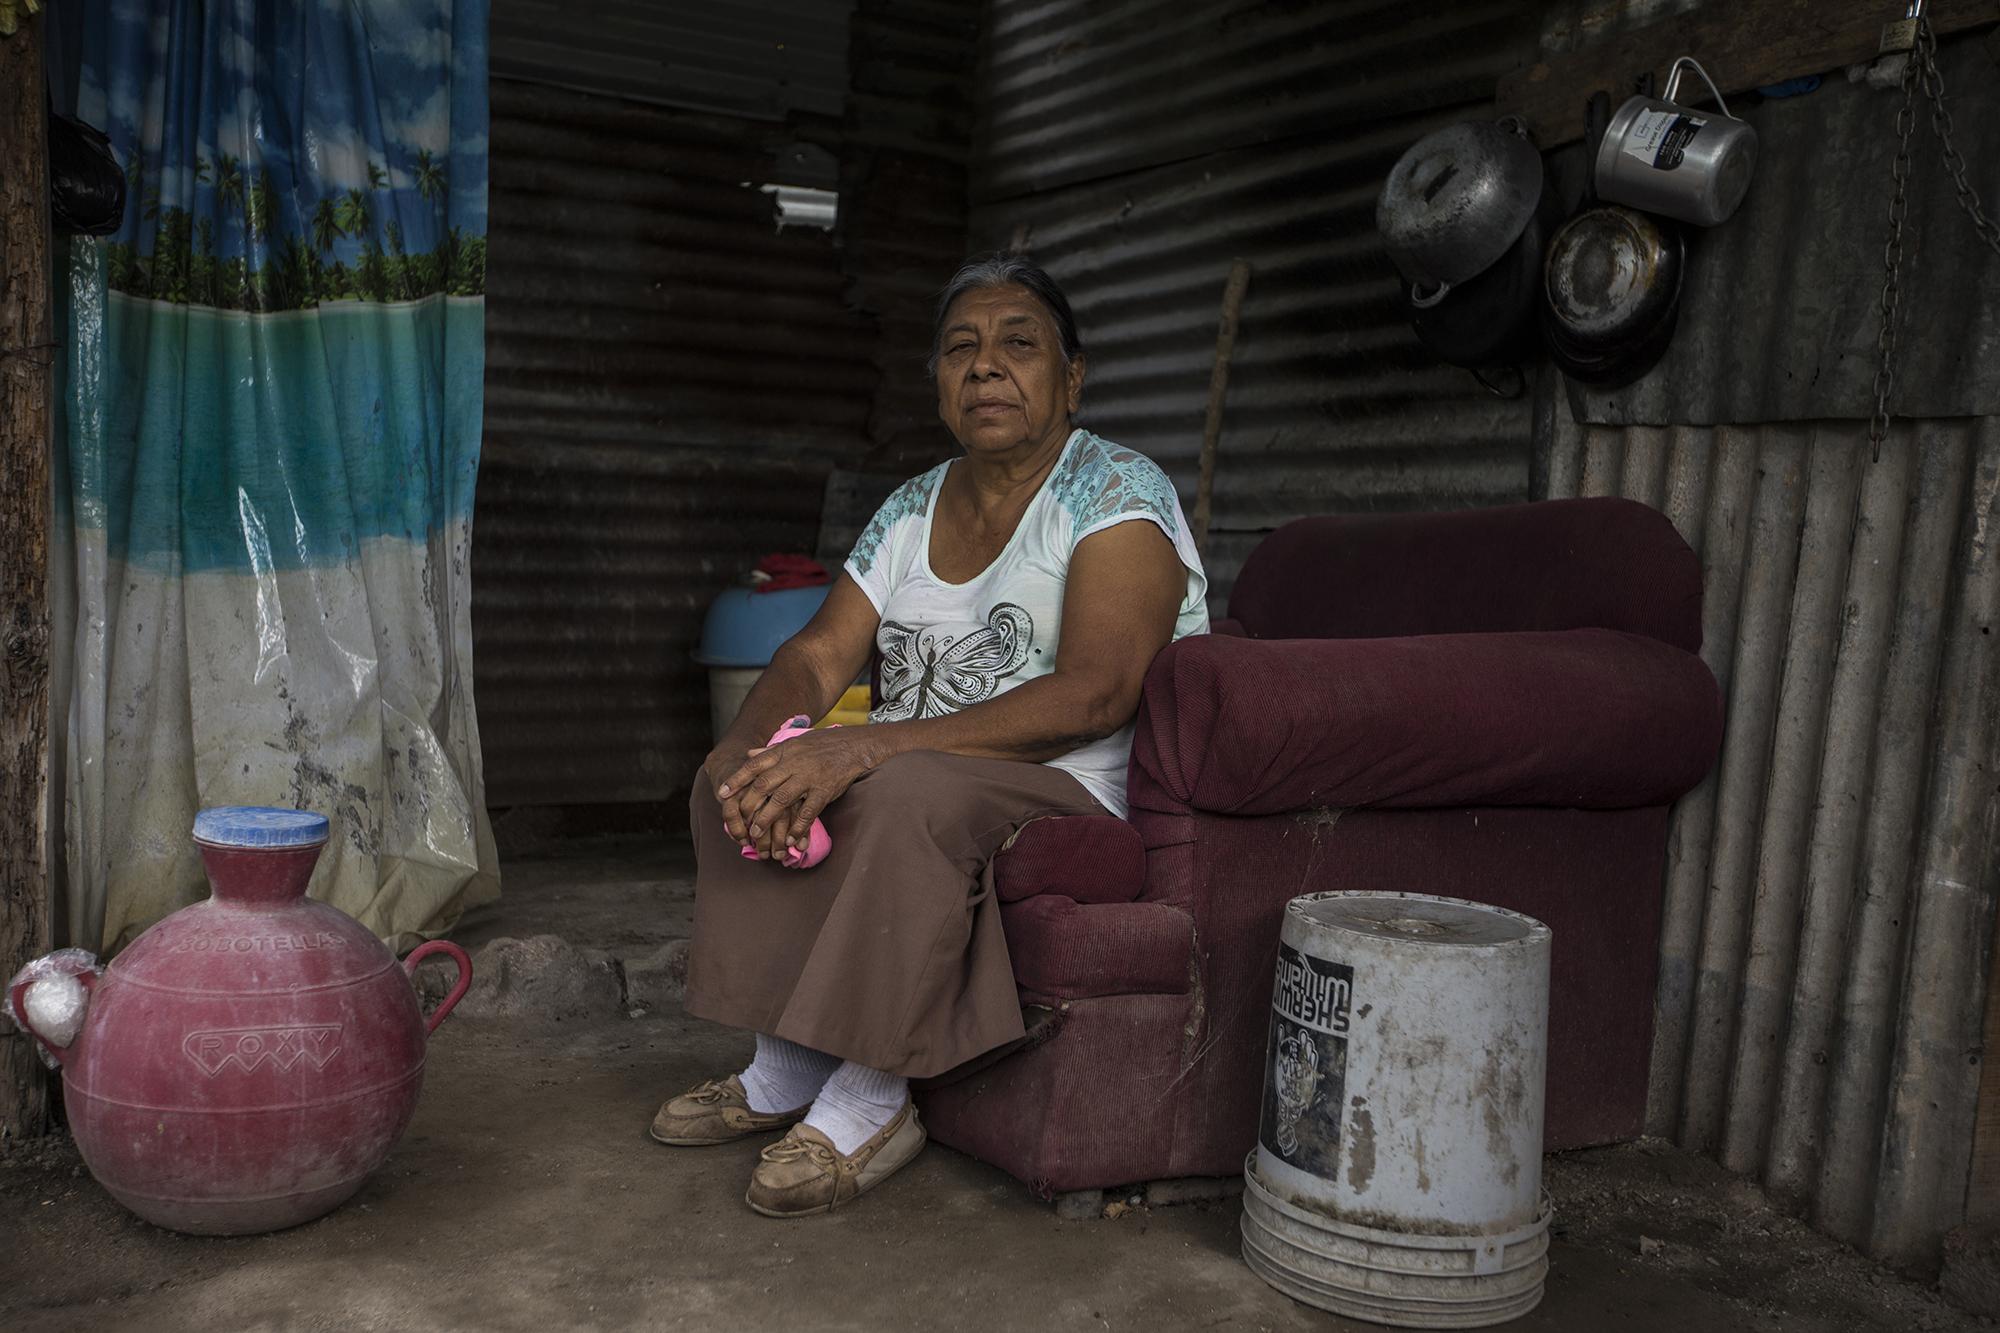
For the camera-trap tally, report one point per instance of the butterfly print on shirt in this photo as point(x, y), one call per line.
point(928, 674)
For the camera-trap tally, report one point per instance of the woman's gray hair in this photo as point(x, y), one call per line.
point(1004, 270)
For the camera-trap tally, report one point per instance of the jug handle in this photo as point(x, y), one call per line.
point(457, 955)
point(20, 998)
point(1674, 83)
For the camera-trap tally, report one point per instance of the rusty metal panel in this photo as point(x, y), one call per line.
point(763, 59)
point(1078, 90)
point(669, 380)
point(1831, 886)
point(1332, 405)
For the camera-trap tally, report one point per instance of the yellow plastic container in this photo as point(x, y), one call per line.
point(851, 711)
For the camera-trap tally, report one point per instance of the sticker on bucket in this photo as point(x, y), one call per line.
point(1305, 1075)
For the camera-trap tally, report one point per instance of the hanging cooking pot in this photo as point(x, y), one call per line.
point(1660, 156)
point(1613, 286)
point(1456, 201)
point(1491, 320)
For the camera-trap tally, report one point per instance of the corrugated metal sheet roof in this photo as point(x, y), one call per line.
point(1831, 886)
point(1079, 90)
point(764, 59)
point(669, 380)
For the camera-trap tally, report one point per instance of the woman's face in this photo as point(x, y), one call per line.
point(1001, 381)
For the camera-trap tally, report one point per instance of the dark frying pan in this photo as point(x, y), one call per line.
point(1612, 287)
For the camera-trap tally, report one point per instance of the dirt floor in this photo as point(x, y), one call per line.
point(527, 1196)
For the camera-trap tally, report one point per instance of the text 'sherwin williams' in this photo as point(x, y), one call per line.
point(1310, 997)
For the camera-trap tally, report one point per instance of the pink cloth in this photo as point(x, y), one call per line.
point(818, 841)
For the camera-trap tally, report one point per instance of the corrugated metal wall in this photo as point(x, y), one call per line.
point(1831, 885)
point(1808, 243)
point(669, 380)
point(1829, 900)
point(763, 59)
point(903, 149)
point(1136, 149)
point(1078, 90)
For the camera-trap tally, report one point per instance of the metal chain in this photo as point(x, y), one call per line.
point(1892, 261)
point(1954, 161)
point(1921, 66)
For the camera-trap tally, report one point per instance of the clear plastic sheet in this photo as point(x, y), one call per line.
point(272, 421)
point(56, 1003)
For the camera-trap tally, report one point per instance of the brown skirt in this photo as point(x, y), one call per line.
point(889, 952)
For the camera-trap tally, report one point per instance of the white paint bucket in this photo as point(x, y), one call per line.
point(728, 687)
point(1397, 1175)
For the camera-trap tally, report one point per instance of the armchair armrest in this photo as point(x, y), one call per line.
point(1090, 858)
point(1584, 718)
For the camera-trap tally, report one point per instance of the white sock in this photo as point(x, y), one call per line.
point(856, 1103)
point(785, 1075)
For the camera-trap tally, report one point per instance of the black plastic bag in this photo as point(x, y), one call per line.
point(86, 186)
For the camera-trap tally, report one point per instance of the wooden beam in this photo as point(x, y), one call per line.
point(1741, 45)
point(26, 392)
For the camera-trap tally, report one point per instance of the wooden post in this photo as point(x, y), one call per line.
point(26, 388)
point(1218, 388)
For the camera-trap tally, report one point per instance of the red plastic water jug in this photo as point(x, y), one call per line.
point(246, 1063)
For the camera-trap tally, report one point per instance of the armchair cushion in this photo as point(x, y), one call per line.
point(1086, 858)
point(1583, 718)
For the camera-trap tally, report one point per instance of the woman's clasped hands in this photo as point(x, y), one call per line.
point(771, 796)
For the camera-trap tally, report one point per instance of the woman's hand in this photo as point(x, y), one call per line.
point(721, 765)
point(722, 762)
point(781, 789)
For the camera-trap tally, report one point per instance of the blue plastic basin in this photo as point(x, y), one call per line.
point(745, 628)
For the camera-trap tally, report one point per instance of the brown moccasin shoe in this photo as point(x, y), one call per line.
point(802, 1173)
point(717, 1112)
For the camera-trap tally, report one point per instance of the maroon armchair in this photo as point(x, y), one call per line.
point(1498, 705)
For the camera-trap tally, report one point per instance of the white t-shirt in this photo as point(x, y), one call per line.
point(945, 645)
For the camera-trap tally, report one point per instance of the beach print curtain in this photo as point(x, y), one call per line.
point(272, 416)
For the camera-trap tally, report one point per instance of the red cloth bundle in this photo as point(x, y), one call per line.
point(775, 573)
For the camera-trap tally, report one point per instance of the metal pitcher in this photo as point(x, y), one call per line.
point(1659, 156)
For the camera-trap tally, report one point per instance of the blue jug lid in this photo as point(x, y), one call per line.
point(259, 826)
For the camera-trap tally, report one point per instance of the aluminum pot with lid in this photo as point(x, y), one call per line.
point(1456, 201)
point(1492, 319)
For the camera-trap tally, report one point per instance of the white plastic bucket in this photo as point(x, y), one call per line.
point(1397, 1176)
point(728, 687)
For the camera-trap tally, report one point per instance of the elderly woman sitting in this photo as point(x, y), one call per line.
point(1017, 594)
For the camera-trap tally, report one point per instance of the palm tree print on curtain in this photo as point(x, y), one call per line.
point(375, 221)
